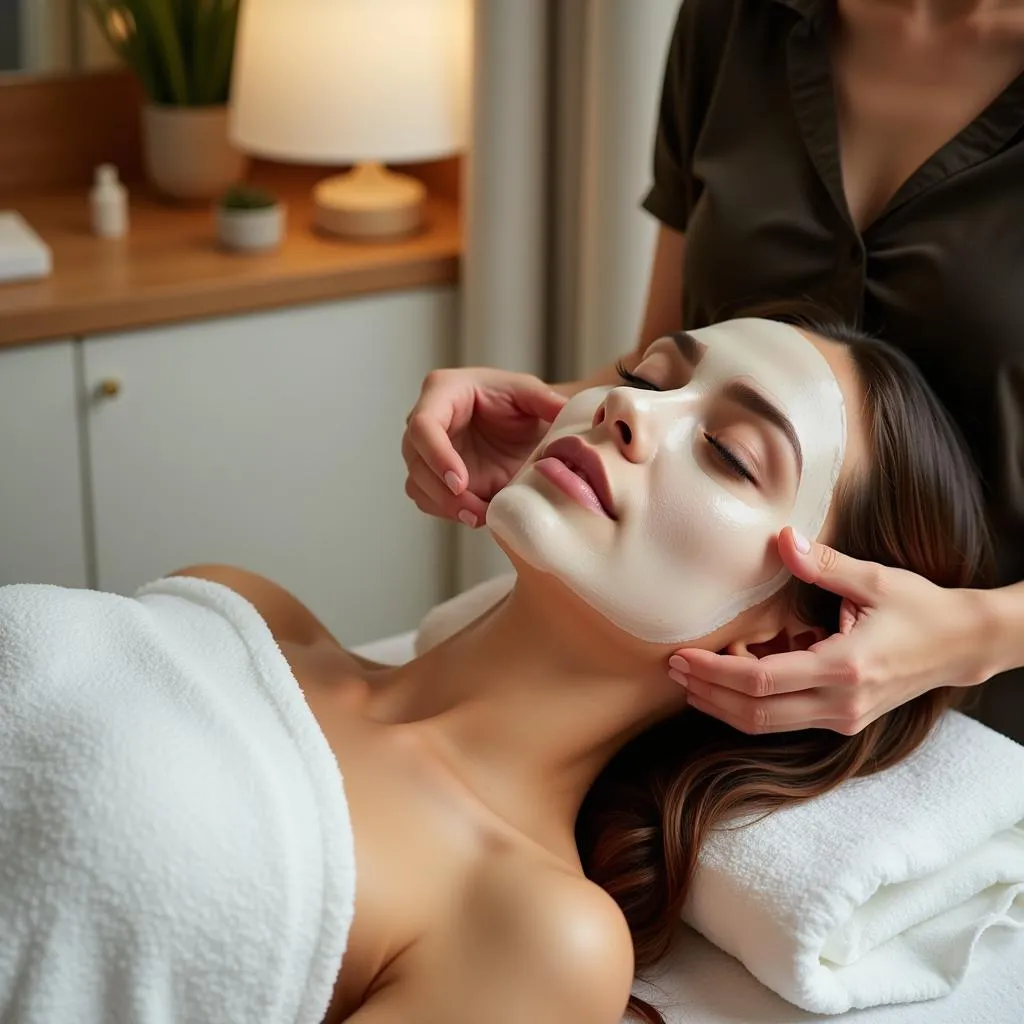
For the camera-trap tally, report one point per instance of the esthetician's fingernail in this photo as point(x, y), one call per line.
point(451, 481)
point(468, 518)
point(803, 545)
point(679, 664)
point(678, 677)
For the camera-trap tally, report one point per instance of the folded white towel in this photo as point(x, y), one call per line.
point(174, 838)
point(885, 890)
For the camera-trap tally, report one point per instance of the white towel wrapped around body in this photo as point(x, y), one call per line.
point(886, 890)
point(175, 844)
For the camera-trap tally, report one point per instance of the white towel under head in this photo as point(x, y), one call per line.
point(175, 844)
point(886, 890)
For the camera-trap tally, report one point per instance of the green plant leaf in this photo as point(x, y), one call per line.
point(117, 24)
point(210, 30)
point(181, 50)
point(203, 52)
point(159, 15)
point(247, 197)
point(226, 26)
point(186, 16)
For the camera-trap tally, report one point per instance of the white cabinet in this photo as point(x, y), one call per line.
point(42, 527)
point(272, 441)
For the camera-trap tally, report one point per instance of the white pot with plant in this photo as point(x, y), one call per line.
point(181, 51)
point(250, 219)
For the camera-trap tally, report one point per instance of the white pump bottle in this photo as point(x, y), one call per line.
point(109, 203)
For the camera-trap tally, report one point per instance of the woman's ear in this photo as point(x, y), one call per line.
point(793, 636)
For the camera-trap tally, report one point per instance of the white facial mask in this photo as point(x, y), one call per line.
point(691, 548)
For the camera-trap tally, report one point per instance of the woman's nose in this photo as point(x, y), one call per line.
point(625, 415)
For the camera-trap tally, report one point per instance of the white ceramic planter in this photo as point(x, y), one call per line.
point(187, 153)
point(251, 230)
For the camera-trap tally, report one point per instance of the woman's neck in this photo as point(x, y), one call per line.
point(528, 704)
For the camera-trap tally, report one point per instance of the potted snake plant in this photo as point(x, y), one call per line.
point(181, 51)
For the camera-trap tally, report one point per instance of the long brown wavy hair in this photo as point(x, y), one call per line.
point(918, 507)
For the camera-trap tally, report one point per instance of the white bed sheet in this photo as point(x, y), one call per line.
point(392, 650)
point(699, 984)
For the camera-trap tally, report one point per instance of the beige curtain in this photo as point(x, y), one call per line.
point(557, 248)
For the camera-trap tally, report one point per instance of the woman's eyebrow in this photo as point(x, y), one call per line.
point(689, 347)
point(743, 394)
point(753, 401)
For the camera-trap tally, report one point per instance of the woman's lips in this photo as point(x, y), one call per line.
point(570, 483)
point(576, 470)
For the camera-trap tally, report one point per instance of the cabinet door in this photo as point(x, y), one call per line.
point(42, 534)
point(272, 442)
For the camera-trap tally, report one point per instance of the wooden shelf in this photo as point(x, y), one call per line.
point(170, 267)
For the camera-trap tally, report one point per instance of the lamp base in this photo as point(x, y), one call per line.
point(369, 202)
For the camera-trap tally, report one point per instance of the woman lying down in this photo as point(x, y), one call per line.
point(210, 811)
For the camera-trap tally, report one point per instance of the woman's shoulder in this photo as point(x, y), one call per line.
point(705, 29)
point(705, 32)
point(553, 915)
point(287, 618)
point(548, 944)
point(709, 20)
point(559, 915)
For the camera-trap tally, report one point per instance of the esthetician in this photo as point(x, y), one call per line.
point(868, 155)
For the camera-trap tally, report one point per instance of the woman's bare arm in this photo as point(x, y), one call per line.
point(287, 618)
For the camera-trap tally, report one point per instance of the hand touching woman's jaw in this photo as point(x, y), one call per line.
point(658, 502)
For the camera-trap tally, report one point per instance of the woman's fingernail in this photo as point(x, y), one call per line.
point(678, 677)
point(803, 545)
point(468, 518)
point(451, 481)
point(679, 664)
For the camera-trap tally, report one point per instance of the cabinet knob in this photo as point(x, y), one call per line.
point(109, 387)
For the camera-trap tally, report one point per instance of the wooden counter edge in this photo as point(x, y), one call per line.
point(154, 310)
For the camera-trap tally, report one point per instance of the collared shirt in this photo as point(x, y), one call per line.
point(746, 163)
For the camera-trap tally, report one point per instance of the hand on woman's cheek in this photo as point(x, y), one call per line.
point(900, 636)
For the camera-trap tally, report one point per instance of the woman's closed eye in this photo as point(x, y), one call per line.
point(632, 380)
point(732, 462)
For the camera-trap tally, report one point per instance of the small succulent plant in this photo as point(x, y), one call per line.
point(247, 197)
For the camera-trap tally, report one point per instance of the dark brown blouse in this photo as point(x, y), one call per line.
point(746, 163)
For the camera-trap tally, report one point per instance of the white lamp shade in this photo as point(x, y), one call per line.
point(344, 81)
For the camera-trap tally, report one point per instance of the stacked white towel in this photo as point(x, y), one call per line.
point(175, 843)
point(886, 890)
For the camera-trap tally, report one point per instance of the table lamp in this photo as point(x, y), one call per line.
point(359, 82)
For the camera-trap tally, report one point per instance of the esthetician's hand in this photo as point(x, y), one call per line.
point(899, 636)
point(469, 433)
